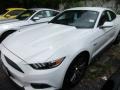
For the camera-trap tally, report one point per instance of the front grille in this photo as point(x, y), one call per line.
point(13, 64)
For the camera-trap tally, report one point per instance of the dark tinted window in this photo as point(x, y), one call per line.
point(54, 13)
point(15, 12)
point(41, 14)
point(113, 15)
point(104, 18)
point(26, 14)
point(50, 13)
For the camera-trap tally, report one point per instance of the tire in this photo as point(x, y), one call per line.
point(5, 34)
point(75, 72)
point(117, 40)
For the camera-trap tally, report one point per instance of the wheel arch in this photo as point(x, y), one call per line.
point(5, 34)
point(10, 30)
point(85, 52)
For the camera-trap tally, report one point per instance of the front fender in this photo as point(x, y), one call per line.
point(7, 28)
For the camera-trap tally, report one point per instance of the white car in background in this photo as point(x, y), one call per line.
point(55, 55)
point(27, 18)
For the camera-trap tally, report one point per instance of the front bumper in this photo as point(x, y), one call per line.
point(52, 77)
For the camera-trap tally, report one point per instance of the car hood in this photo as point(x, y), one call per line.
point(40, 41)
point(8, 21)
point(12, 24)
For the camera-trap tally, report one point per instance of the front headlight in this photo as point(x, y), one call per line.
point(47, 65)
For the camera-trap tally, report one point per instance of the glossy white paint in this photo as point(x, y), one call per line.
point(48, 42)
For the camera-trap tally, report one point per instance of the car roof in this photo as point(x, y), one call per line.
point(39, 9)
point(16, 9)
point(99, 9)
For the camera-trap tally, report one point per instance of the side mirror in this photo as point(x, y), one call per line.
point(35, 18)
point(107, 25)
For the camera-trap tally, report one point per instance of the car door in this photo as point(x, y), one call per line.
point(103, 36)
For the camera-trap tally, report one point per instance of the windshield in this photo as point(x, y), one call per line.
point(14, 12)
point(77, 18)
point(25, 15)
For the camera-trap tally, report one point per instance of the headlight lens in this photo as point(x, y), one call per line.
point(47, 65)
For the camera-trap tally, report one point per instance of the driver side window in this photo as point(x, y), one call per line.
point(41, 14)
point(104, 18)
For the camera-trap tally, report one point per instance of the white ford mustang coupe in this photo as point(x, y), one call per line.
point(55, 55)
